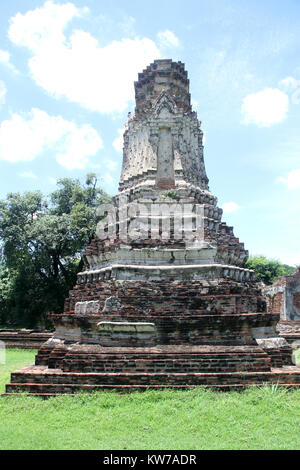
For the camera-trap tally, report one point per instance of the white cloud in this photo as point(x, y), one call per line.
point(28, 174)
point(5, 60)
point(288, 83)
point(266, 107)
point(293, 179)
point(37, 28)
point(2, 92)
point(52, 180)
point(118, 142)
point(291, 85)
point(4, 56)
point(168, 39)
point(78, 68)
point(25, 136)
point(230, 207)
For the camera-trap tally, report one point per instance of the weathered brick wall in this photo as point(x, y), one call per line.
point(290, 331)
point(202, 329)
point(296, 301)
point(25, 339)
point(171, 298)
point(283, 297)
point(275, 303)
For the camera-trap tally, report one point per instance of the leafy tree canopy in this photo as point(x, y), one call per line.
point(268, 270)
point(42, 238)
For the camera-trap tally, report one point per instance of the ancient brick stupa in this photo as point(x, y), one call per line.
point(165, 300)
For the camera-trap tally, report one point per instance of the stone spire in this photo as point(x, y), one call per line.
point(163, 140)
point(164, 214)
point(162, 75)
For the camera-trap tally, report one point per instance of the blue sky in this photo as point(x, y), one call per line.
point(66, 86)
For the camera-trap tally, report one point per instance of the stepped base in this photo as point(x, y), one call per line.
point(290, 331)
point(66, 366)
point(158, 359)
point(45, 382)
point(24, 339)
point(79, 367)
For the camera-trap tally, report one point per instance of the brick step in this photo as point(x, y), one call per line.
point(280, 358)
point(138, 354)
point(48, 390)
point(60, 391)
point(141, 388)
point(42, 376)
point(56, 357)
point(25, 339)
point(119, 355)
point(219, 359)
point(123, 389)
point(70, 378)
point(192, 364)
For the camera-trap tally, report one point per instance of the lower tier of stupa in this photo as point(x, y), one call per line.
point(148, 334)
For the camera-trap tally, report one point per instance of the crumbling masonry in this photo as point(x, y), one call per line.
point(165, 299)
point(283, 297)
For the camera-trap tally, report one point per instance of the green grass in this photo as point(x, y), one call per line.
point(15, 359)
point(260, 418)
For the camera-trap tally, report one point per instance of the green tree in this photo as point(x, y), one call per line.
point(268, 270)
point(6, 290)
point(42, 238)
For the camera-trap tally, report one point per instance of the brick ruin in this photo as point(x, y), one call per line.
point(283, 297)
point(23, 339)
point(165, 299)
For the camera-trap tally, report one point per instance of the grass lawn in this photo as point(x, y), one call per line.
point(260, 418)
